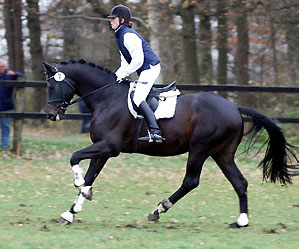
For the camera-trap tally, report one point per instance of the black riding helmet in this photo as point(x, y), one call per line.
point(121, 11)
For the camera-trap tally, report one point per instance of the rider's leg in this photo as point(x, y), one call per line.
point(144, 85)
point(154, 130)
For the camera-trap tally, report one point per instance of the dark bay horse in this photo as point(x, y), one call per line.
point(204, 124)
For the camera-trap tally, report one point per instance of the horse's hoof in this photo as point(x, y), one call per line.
point(236, 225)
point(64, 222)
point(66, 218)
point(153, 216)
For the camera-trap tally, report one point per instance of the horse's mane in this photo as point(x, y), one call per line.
point(88, 64)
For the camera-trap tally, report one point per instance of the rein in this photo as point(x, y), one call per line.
point(101, 88)
point(88, 94)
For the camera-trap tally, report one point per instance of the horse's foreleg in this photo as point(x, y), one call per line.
point(78, 176)
point(97, 150)
point(85, 192)
point(191, 181)
point(68, 216)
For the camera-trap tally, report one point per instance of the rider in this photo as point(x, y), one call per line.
point(136, 56)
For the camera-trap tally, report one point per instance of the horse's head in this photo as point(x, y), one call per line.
point(60, 91)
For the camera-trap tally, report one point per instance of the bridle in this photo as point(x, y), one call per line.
point(64, 103)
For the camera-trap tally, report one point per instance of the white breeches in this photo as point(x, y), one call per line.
point(142, 90)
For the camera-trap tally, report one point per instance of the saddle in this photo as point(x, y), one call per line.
point(162, 100)
point(154, 96)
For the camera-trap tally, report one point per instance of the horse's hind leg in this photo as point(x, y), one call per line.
point(191, 181)
point(225, 160)
point(85, 192)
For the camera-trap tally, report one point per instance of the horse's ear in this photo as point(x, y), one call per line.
point(48, 67)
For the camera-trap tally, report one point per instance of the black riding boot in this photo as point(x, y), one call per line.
point(155, 134)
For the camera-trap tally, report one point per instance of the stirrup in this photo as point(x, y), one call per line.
point(152, 138)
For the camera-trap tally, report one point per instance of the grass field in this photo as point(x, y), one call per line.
point(37, 187)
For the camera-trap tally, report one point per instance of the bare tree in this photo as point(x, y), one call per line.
point(153, 21)
point(205, 44)
point(222, 42)
point(243, 43)
point(242, 52)
point(70, 33)
point(13, 35)
point(36, 51)
point(186, 11)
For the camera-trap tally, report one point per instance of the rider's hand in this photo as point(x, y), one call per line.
point(119, 80)
point(120, 77)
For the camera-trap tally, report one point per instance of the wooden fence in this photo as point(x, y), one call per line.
point(186, 87)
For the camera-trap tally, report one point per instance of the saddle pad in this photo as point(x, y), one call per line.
point(166, 107)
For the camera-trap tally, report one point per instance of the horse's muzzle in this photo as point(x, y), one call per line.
point(51, 116)
point(55, 114)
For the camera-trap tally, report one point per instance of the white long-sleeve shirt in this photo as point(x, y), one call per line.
point(134, 45)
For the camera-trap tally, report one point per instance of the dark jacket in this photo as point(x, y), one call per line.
point(150, 58)
point(6, 98)
point(83, 108)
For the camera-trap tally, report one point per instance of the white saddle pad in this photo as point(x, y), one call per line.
point(166, 107)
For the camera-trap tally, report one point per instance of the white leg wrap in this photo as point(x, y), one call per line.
point(77, 175)
point(243, 220)
point(86, 191)
point(68, 216)
point(160, 208)
point(79, 203)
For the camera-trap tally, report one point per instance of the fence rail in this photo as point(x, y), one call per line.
point(76, 116)
point(185, 87)
point(19, 116)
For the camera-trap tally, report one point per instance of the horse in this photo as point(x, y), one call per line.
point(204, 125)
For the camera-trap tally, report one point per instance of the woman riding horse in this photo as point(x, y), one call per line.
point(136, 56)
point(204, 125)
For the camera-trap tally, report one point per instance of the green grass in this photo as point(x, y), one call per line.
point(37, 187)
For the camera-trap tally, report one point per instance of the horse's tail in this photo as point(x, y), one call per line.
point(278, 151)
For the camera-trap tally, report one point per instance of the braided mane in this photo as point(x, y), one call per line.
point(90, 64)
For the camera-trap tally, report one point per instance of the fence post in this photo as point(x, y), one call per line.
point(18, 123)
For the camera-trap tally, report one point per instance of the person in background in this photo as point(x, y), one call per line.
point(85, 122)
point(136, 56)
point(6, 102)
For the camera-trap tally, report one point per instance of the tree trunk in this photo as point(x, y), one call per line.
point(13, 35)
point(242, 45)
point(222, 43)
point(206, 67)
point(241, 61)
point(98, 9)
point(71, 48)
point(189, 45)
point(39, 94)
point(153, 22)
point(292, 38)
point(274, 51)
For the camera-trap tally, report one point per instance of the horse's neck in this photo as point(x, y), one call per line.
point(88, 79)
point(98, 81)
point(105, 92)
